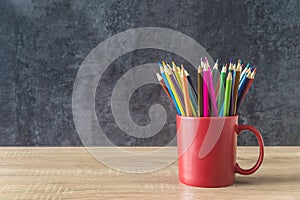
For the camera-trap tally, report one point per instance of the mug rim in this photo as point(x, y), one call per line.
point(190, 117)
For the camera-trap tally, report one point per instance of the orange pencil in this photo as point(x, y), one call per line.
point(162, 83)
point(186, 96)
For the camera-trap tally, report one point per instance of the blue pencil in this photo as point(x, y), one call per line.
point(231, 107)
point(242, 84)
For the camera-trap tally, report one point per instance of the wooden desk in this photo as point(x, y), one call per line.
point(72, 173)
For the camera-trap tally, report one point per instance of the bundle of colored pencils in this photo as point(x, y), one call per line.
point(217, 95)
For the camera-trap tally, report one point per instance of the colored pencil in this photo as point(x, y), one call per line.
point(227, 94)
point(176, 95)
point(244, 71)
point(176, 86)
point(193, 97)
point(231, 107)
point(162, 83)
point(211, 90)
point(235, 89)
point(215, 74)
point(187, 101)
point(222, 87)
point(177, 74)
point(205, 91)
point(218, 84)
point(202, 62)
point(169, 89)
point(218, 94)
point(243, 81)
point(190, 81)
point(200, 95)
point(248, 83)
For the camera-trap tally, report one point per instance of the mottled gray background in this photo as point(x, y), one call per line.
point(43, 43)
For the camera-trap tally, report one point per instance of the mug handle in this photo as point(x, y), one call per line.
point(240, 170)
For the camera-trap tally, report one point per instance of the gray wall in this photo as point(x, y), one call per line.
point(43, 43)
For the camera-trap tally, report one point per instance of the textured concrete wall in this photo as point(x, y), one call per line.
point(43, 43)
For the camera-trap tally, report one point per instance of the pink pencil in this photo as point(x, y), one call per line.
point(205, 92)
point(211, 91)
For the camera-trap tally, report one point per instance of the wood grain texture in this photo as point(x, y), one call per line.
point(72, 173)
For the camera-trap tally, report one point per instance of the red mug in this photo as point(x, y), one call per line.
point(207, 150)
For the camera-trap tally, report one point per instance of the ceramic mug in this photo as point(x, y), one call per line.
point(207, 150)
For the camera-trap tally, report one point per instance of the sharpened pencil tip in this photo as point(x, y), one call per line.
point(186, 73)
point(159, 77)
point(181, 71)
point(182, 67)
point(224, 69)
point(229, 77)
point(253, 75)
point(173, 64)
point(239, 68)
point(162, 69)
point(216, 66)
point(200, 69)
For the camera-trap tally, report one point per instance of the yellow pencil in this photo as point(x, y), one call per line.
point(174, 91)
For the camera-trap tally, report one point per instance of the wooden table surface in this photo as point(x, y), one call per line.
point(72, 173)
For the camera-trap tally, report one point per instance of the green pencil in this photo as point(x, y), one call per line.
point(227, 94)
point(221, 88)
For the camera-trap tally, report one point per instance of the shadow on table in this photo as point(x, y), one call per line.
point(267, 180)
